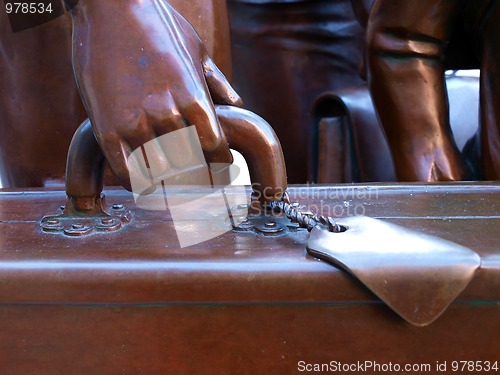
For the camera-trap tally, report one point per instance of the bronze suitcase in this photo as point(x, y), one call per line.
point(98, 288)
point(242, 303)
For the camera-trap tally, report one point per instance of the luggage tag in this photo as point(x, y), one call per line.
point(416, 274)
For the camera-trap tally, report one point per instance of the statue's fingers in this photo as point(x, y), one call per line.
point(220, 89)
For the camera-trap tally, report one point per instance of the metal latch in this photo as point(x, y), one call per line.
point(275, 217)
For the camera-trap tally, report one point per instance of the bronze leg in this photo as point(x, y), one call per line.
point(40, 107)
point(406, 42)
point(490, 94)
point(284, 56)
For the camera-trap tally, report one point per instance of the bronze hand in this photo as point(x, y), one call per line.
point(143, 72)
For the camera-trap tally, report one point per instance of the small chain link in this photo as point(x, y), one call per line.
point(306, 220)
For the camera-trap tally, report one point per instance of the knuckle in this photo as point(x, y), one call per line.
point(132, 123)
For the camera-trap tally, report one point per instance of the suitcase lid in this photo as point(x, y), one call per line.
point(144, 264)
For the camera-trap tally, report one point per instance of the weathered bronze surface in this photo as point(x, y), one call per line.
point(40, 107)
point(236, 304)
point(406, 47)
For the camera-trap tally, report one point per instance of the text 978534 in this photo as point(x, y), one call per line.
point(25, 15)
point(28, 7)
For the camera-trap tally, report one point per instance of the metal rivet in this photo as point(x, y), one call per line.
point(51, 224)
point(269, 227)
point(126, 217)
point(109, 224)
point(244, 225)
point(78, 230)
